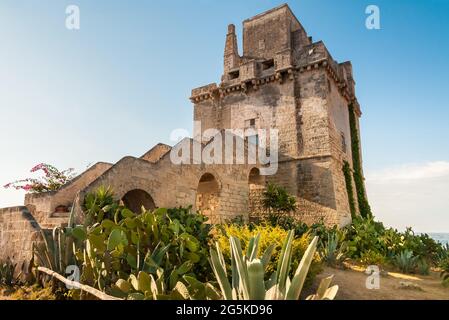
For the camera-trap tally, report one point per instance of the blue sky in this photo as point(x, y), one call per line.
point(121, 84)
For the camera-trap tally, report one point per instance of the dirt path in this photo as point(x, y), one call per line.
point(352, 286)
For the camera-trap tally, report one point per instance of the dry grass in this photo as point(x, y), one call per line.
point(26, 293)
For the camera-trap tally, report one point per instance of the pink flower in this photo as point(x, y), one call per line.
point(27, 187)
point(52, 180)
point(37, 167)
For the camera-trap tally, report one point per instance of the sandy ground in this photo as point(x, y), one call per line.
point(352, 285)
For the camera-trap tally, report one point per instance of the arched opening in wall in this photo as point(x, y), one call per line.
point(135, 199)
point(207, 197)
point(256, 184)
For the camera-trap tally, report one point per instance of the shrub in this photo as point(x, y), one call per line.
point(371, 257)
point(368, 241)
point(118, 244)
point(100, 205)
point(286, 223)
point(422, 246)
point(405, 261)
point(366, 235)
point(444, 265)
point(269, 235)
point(423, 267)
point(277, 200)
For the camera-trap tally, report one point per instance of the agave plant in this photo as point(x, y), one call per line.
point(56, 251)
point(7, 270)
point(248, 273)
point(405, 261)
point(334, 250)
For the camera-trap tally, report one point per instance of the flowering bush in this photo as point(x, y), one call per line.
point(52, 180)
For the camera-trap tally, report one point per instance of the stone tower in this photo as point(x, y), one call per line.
point(286, 81)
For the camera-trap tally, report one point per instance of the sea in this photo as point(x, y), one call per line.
point(440, 237)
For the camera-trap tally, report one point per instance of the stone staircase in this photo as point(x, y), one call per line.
point(56, 219)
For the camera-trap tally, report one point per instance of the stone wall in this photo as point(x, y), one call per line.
point(270, 32)
point(171, 185)
point(18, 231)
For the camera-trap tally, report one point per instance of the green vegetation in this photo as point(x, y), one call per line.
point(349, 188)
point(423, 267)
point(368, 242)
point(405, 261)
point(161, 254)
point(364, 207)
point(444, 264)
point(170, 253)
point(248, 280)
point(333, 251)
point(271, 237)
point(277, 200)
point(370, 238)
point(163, 246)
point(7, 277)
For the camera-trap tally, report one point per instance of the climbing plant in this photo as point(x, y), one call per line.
point(349, 189)
point(364, 207)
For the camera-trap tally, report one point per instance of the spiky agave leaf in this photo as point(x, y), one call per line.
point(301, 272)
point(241, 267)
point(284, 262)
point(219, 269)
point(256, 280)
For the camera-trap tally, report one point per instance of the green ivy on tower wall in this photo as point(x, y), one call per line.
point(348, 179)
point(364, 207)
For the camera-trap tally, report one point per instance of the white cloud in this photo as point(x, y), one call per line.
point(415, 195)
point(410, 172)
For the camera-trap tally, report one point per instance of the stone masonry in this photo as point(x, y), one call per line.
point(283, 80)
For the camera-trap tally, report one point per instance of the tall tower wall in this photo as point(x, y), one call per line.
point(285, 81)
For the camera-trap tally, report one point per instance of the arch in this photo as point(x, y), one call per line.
point(256, 186)
point(255, 180)
point(135, 199)
point(208, 196)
